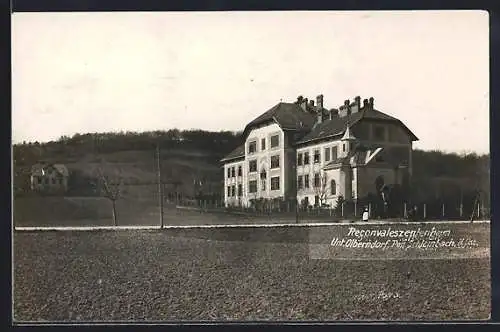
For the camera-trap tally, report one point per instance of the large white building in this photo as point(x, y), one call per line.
point(305, 151)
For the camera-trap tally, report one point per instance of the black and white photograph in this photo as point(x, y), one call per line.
point(250, 166)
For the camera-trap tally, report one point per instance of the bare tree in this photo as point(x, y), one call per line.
point(109, 185)
point(322, 189)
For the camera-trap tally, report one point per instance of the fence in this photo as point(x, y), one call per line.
point(140, 205)
point(433, 210)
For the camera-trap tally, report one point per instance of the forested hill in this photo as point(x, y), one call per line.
point(200, 151)
point(214, 144)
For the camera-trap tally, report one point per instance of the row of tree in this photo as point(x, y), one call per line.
point(213, 143)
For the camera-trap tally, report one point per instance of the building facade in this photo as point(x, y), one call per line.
point(304, 151)
point(49, 178)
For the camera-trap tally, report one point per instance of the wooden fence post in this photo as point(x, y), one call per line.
point(369, 210)
point(342, 209)
point(355, 207)
point(442, 211)
point(425, 211)
point(478, 209)
point(405, 215)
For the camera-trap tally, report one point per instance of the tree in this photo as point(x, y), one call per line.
point(109, 184)
point(322, 189)
point(338, 204)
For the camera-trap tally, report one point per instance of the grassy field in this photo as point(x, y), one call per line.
point(97, 211)
point(136, 211)
point(238, 274)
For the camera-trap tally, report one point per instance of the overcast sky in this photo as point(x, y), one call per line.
point(96, 72)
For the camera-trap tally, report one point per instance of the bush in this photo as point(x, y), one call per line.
point(338, 205)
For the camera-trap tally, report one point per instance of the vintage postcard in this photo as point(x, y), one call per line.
point(250, 166)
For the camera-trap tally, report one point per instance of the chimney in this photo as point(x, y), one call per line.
point(347, 107)
point(319, 116)
point(334, 114)
point(355, 106)
point(365, 103)
point(311, 103)
point(371, 103)
point(303, 103)
point(357, 100)
point(319, 101)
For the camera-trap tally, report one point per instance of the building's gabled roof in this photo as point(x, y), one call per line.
point(334, 127)
point(348, 136)
point(289, 116)
point(360, 156)
point(337, 126)
point(363, 156)
point(239, 152)
point(37, 169)
point(339, 162)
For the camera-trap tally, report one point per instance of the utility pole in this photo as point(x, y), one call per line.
point(477, 203)
point(160, 187)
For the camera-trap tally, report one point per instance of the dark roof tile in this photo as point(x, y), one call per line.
point(337, 126)
point(289, 116)
point(236, 153)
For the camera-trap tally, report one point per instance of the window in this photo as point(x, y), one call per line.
point(306, 158)
point(317, 157)
point(316, 180)
point(390, 133)
point(232, 172)
point(228, 191)
point(343, 147)
point(252, 186)
point(333, 187)
point(263, 144)
point(233, 191)
point(252, 147)
point(299, 159)
point(401, 154)
point(379, 158)
point(263, 178)
point(252, 164)
point(275, 161)
point(39, 180)
point(240, 190)
point(228, 173)
point(53, 180)
point(299, 182)
point(306, 181)
point(275, 141)
point(351, 146)
point(239, 171)
point(327, 154)
point(275, 183)
point(379, 133)
point(334, 153)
